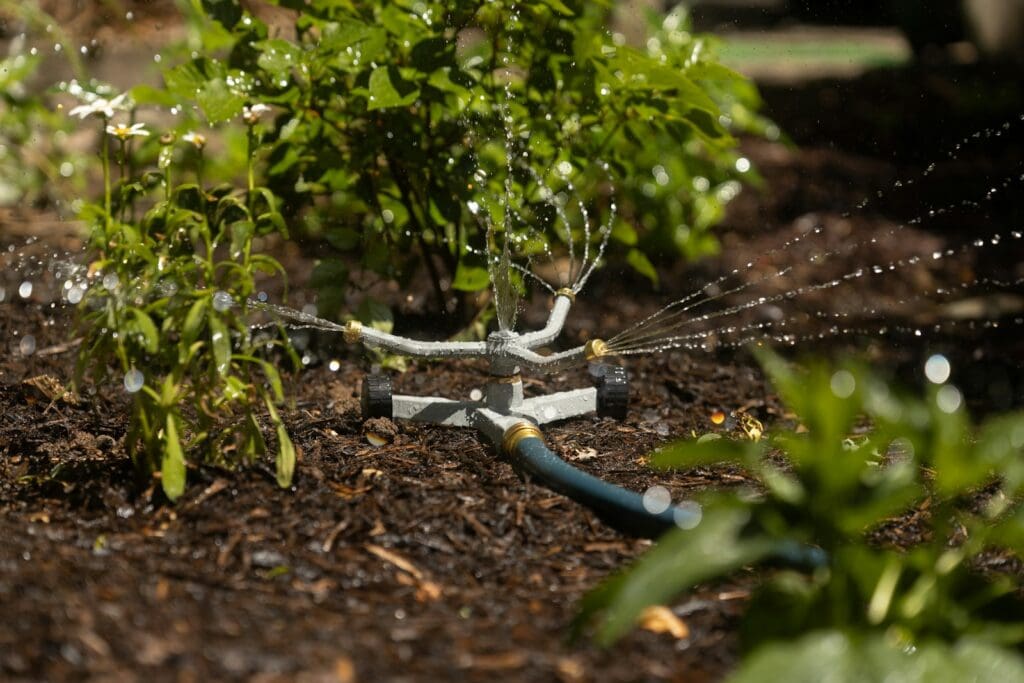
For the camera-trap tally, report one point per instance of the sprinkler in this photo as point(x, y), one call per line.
point(512, 422)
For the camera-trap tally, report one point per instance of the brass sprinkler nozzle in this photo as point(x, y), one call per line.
point(353, 331)
point(567, 293)
point(595, 348)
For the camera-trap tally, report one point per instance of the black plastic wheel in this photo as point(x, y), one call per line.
point(376, 396)
point(613, 392)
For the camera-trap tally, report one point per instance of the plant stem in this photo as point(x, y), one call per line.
point(105, 156)
point(121, 165)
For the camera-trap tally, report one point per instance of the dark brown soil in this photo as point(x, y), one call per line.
point(427, 558)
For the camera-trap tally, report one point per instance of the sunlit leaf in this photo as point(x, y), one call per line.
point(387, 89)
point(220, 341)
point(680, 560)
point(172, 469)
point(844, 658)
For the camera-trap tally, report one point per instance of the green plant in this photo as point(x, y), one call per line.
point(34, 161)
point(168, 296)
point(836, 493)
point(395, 117)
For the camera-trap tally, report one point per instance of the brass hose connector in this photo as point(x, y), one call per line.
point(595, 348)
point(518, 432)
point(567, 293)
point(353, 331)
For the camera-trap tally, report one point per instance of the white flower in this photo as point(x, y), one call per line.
point(100, 105)
point(252, 114)
point(197, 139)
point(123, 132)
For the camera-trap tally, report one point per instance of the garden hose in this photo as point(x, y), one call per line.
point(624, 510)
point(620, 509)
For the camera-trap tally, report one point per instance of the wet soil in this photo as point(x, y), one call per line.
point(428, 558)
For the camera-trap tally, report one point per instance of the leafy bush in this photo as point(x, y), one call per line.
point(395, 118)
point(167, 296)
point(833, 496)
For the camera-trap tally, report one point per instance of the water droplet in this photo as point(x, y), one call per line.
point(937, 369)
point(657, 499)
point(27, 345)
point(133, 380)
point(25, 289)
point(688, 514)
point(948, 399)
point(222, 301)
point(718, 417)
point(743, 164)
point(75, 294)
point(110, 282)
point(843, 384)
point(476, 395)
point(334, 366)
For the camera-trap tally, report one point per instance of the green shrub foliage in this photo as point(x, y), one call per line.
point(827, 505)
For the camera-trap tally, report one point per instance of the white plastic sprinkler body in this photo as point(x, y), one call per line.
point(503, 407)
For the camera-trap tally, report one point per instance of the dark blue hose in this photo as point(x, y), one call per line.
point(624, 510)
point(620, 509)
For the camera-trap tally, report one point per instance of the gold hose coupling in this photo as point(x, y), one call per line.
point(353, 331)
point(518, 432)
point(595, 348)
point(567, 293)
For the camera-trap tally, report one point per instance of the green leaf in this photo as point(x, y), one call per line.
point(221, 342)
point(194, 320)
point(680, 560)
point(470, 276)
point(344, 239)
point(143, 326)
point(559, 7)
point(706, 452)
point(843, 658)
point(375, 314)
point(641, 264)
point(285, 450)
point(218, 101)
point(285, 457)
point(387, 89)
point(278, 57)
point(172, 469)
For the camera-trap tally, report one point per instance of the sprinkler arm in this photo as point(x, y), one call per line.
point(518, 348)
point(564, 299)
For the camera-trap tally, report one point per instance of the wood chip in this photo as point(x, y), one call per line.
point(494, 662)
point(395, 559)
point(478, 527)
point(344, 670)
point(605, 546)
point(660, 619)
point(209, 492)
point(426, 590)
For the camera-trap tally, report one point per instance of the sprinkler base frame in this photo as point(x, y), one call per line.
point(511, 422)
